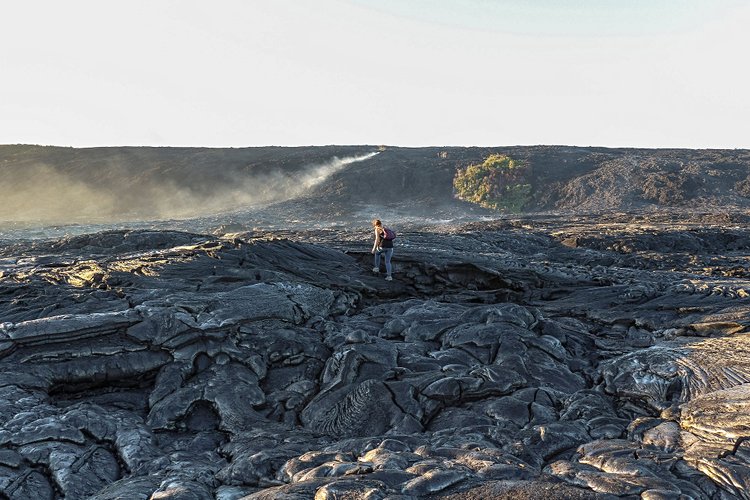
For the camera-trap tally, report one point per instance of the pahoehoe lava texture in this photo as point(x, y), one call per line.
point(524, 358)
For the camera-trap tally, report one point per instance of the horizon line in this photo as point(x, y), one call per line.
point(421, 146)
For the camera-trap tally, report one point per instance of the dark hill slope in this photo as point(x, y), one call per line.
point(668, 178)
point(426, 174)
point(567, 178)
point(137, 182)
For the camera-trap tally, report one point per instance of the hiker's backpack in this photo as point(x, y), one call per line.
point(389, 234)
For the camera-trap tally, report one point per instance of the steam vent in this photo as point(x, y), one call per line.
point(186, 323)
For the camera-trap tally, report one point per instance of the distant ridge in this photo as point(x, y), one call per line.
point(139, 182)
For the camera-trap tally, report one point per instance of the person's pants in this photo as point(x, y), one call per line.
point(388, 253)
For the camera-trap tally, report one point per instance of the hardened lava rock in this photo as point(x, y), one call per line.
point(504, 361)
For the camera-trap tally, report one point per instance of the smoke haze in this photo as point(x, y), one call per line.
point(46, 194)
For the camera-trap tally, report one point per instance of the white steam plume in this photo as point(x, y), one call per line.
point(44, 194)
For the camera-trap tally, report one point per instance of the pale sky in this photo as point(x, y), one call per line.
point(646, 73)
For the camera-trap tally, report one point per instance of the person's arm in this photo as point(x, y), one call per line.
point(377, 241)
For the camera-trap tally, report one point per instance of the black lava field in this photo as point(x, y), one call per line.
point(592, 347)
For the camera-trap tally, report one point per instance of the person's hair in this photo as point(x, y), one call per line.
point(376, 222)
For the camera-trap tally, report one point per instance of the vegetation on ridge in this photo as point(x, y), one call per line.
point(499, 183)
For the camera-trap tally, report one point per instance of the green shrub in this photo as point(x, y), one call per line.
point(499, 183)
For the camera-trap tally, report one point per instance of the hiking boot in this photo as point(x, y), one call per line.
point(388, 278)
point(375, 269)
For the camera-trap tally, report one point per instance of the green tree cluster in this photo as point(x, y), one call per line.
point(498, 183)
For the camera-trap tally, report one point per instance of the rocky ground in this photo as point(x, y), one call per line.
point(530, 357)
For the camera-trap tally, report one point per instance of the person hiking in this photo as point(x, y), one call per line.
point(383, 245)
